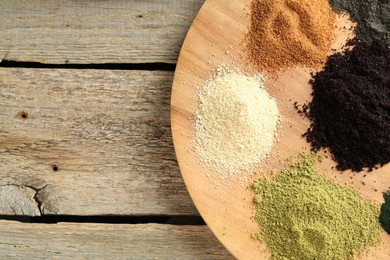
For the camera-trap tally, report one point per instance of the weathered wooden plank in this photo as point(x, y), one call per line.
point(89, 142)
point(115, 31)
point(18, 200)
point(107, 241)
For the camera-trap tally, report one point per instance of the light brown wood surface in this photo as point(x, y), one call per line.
point(107, 241)
point(108, 132)
point(116, 31)
point(216, 38)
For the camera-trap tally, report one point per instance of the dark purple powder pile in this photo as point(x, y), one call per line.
point(350, 110)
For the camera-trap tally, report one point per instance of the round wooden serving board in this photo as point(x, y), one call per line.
point(215, 38)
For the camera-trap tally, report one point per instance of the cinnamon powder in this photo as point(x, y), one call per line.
point(288, 33)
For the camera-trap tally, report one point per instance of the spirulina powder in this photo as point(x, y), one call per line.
point(372, 17)
point(384, 218)
point(304, 215)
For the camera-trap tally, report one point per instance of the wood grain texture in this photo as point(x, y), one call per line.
point(18, 200)
point(108, 134)
point(226, 202)
point(115, 31)
point(107, 241)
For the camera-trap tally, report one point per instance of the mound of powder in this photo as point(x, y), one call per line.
point(306, 216)
point(236, 122)
point(372, 17)
point(384, 217)
point(350, 110)
point(287, 33)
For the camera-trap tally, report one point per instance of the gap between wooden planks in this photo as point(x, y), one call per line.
point(106, 132)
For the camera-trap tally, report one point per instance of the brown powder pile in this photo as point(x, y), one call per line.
point(286, 33)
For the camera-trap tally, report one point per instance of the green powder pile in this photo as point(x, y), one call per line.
point(304, 215)
point(384, 218)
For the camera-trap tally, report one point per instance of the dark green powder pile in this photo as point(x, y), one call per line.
point(384, 218)
point(304, 215)
point(372, 17)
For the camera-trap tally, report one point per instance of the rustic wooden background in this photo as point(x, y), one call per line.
point(87, 165)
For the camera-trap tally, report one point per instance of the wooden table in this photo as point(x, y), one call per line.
point(87, 165)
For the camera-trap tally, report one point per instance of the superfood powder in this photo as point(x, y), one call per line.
point(384, 218)
point(286, 33)
point(350, 110)
point(304, 215)
point(235, 123)
point(372, 17)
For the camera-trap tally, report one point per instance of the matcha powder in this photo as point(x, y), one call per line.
point(304, 215)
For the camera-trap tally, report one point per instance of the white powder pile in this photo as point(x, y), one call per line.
point(236, 122)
